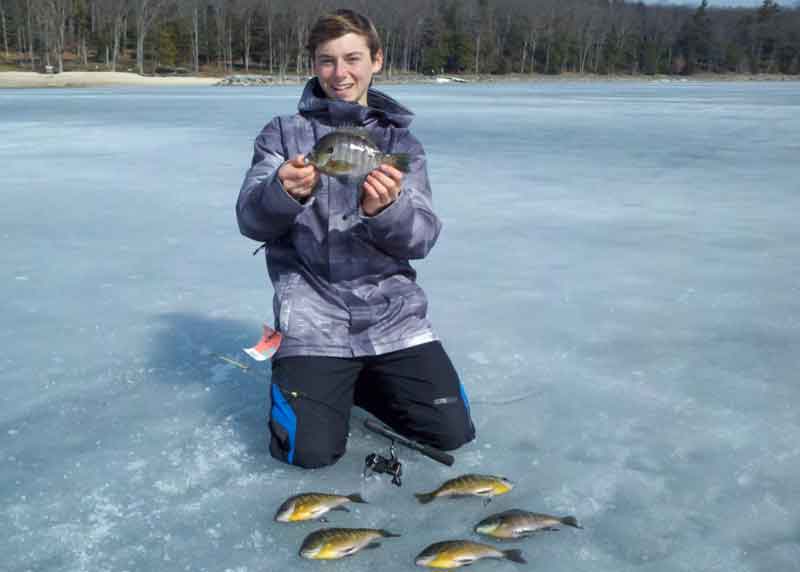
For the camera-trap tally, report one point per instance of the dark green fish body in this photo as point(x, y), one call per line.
point(309, 506)
point(486, 486)
point(352, 153)
point(515, 523)
point(456, 553)
point(335, 543)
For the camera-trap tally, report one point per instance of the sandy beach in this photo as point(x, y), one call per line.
point(20, 79)
point(17, 79)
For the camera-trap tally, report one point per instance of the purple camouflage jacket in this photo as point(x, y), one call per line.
point(343, 283)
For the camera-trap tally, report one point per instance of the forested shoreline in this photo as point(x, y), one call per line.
point(223, 37)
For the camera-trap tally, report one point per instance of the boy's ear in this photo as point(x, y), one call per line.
point(377, 63)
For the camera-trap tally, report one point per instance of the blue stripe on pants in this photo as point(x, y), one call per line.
point(281, 413)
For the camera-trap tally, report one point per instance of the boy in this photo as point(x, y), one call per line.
point(352, 318)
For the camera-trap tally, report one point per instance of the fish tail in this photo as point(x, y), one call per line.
point(387, 534)
point(356, 498)
point(400, 161)
point(514, 555)
point(571, 521)
point(425, 498)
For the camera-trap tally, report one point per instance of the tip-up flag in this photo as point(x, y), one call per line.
point(266, 346)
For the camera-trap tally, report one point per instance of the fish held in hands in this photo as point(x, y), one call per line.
point(516, 523)
point(352, 153)
point(456, 553)
point(486, 486)
point(335, 543)
point(311, 506)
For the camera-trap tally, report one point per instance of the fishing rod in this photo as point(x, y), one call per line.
point(427, 450)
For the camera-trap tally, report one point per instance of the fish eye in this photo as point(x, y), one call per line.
point(329, 150)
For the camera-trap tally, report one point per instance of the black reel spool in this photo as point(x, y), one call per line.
point(376, 463)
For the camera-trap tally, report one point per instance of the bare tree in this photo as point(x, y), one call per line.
point(5, 32)
point(53, 15)
point(146, 12)
point(245, 12)
point(269, 18)
point(29, 22)
point(113, 14)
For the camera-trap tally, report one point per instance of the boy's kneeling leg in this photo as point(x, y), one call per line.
point(418, 393)
point(306, 429)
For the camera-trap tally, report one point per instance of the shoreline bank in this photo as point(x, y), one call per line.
point(77, 79)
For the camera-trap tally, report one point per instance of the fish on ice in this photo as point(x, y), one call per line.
point(456, 553)
point(486, 486)
point(516, 523)
point(310, 506)
point(335, 543)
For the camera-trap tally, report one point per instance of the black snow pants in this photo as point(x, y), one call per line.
point(415, 391)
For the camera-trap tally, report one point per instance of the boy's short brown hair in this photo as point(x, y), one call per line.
point(337, 24)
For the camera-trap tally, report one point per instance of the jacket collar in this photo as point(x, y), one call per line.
point(380, 107)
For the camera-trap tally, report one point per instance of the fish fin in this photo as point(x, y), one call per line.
point(339, 167)
point(425, 498)
point(400, 161)
point(551, 529)
point(356, 130)
point(349, 551)
point(571, 521)
point(356, 498)
point(344, 508)
point(372, 545)
point(515, 555)
point(387, 534)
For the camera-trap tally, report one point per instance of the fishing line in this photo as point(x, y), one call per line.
point(507, 400)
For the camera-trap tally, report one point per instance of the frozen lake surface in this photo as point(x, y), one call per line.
point(624, 257)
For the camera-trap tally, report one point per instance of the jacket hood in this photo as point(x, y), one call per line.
point(380, 107)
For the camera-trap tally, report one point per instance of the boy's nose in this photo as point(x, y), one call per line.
point(340, 70)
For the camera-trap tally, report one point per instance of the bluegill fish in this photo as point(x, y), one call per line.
point(486, 486)
point(455, 553)
point(309, 506)
point(334, 543)
point(516, 523)
point(352, 153)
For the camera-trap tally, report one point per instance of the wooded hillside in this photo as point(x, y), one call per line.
point(420, 36)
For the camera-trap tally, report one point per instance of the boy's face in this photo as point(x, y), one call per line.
point(345, 67)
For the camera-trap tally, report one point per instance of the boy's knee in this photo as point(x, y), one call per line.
point(452, 436)
point(313, 458)
point(307, 451)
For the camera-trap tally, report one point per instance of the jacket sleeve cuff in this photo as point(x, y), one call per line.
point(390, 216)
point(275, 199)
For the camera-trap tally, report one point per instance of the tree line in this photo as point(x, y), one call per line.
point(419, 36)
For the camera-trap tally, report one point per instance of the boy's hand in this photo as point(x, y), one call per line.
point(298, 179)
point(380, 189)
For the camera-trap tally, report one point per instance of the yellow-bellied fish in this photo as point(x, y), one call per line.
point(516, 523)
point(309, 506)
point(333, 543)
point(487, 486)
point(455, 553)
point(352, 153)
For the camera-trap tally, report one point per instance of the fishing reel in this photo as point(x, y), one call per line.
point(376, 463)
